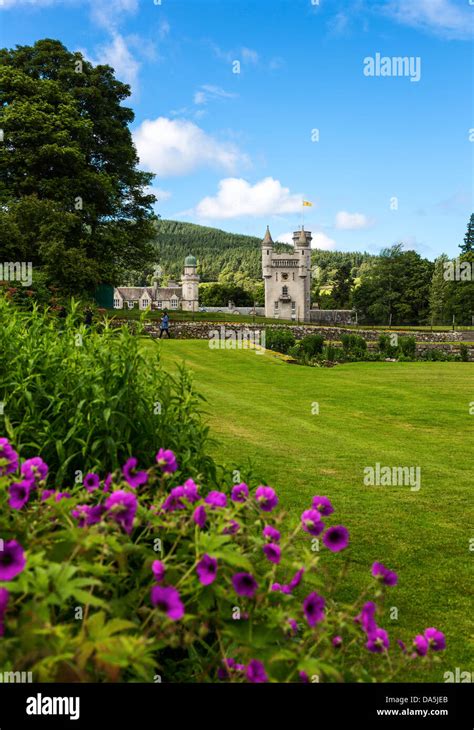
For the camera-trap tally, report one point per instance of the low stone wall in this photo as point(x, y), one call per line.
point(332, 316)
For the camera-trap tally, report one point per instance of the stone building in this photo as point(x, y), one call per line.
point(184, 296)
point(288, 278)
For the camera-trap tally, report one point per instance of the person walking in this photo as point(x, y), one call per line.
point(165, 325)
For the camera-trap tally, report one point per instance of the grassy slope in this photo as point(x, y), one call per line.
point(400, 414)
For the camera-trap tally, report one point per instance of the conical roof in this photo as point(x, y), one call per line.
point(268, 236)
point(302, 240)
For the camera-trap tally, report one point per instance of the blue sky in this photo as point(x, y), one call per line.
point(244, 108)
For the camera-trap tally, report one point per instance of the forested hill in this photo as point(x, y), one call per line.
point(219, 252)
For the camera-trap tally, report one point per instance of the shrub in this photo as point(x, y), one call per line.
point(312, 345)
point(354, 344)
point(407, 346)
point(279, 339)
point(88, 398)
point(386, 347)
point(135, 576)
point(464, 353)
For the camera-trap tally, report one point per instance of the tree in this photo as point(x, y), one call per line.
point(72, 199)
point(440, 292)
point(468, 245)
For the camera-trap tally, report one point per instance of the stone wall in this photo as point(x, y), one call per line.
point(332, 316)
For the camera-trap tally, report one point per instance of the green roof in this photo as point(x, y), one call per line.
point(190, 261)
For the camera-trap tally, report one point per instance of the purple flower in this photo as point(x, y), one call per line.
point(87, 515)
point(296, 580)
point(62, 495)
point(166, 460)
point(420, 645)
point(47, 493)
point(132, 477)
point(8, 458)
point(336, 538)
point(386, 576)
point(271, 533)
point(244, 584)
point(266, 498)
point(337, 641)
point(169, 601)
point(436, 639)
point(199, 516)
point(256, 672)
point(313, 607)
point(12, 560)
point(231, 528)
point(366, 617)
point(377, 641)
point(272, 552)
point(303, 677)
point(293, 626)
point(216, 499)
point(311, 522)
point(107, 482)
point(34, 469)
point(207, 570)
point(323, 505)
point(122, 507)
point(91, 481)
point(158, 569)
point(19, 494)
point(240, 493)
point(402, 646)
point(174, 500)
point(190, 491)
point(4, 596)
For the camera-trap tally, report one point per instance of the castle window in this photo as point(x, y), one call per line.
point(284, 291)
point(276, 305)
point(131, 305)
point(285, 276)
point(293, 305)
point(159, 304)
point(117, 303)
point(293, 275)
point(276, 276)
point(145, 303)
point(268, 252)
point(174, 303)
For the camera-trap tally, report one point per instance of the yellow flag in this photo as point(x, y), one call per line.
point(307, 203)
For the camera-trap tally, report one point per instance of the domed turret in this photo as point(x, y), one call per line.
point(190, 261)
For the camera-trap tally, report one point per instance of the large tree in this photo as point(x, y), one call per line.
point(468, 245)
point(72, 199)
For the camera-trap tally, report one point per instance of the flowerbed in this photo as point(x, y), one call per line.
point(129, 576)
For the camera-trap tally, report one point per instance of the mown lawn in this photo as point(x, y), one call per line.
point(397, 414)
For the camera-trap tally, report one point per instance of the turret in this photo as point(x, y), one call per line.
point(267, 251)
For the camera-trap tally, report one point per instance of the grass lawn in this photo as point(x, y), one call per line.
point(398, 414)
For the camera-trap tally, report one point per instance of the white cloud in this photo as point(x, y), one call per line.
point(159, 193)
point(320, 239)
point(352, 221)
point(444, 17)
point(236, 197)
point(207, 92)
point(118, 55)
point(172, 147)
point(164, 29)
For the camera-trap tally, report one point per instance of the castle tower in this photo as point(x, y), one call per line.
point(190, 285)
point(287, 278)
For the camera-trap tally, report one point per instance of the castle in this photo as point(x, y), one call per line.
point(288, 278)
point(183, 296)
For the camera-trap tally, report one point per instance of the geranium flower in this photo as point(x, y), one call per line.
point(337, 641)
point(12, 560)
point(244, 584)
point(272, 552)
point(294, 582)
point(132, 477)
point(91, 481)
point(216, 499)
point(19, 494)
point(436, 639)
point(4, 597)
point(88, 515)
point(190, 491)
point(336, 538)
point(231, 528)
point(199, 516)
point(366, 617)
point(168, 600)
point(122, 507)
point(271, 533)
point(240, 493)
point(34, 469)
point(303, 677)
point(158, 569)
point(386, 576)
point(174, 500)
point(256, 672)
point(207, 570)
point(377, 641)
point(9, 456)
point(293, 626)
point(266, 498)
point(420, 644)
point(323, 505)
point(166, 460)
point(313, 607)
point(107, 482)
point(311, 522)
